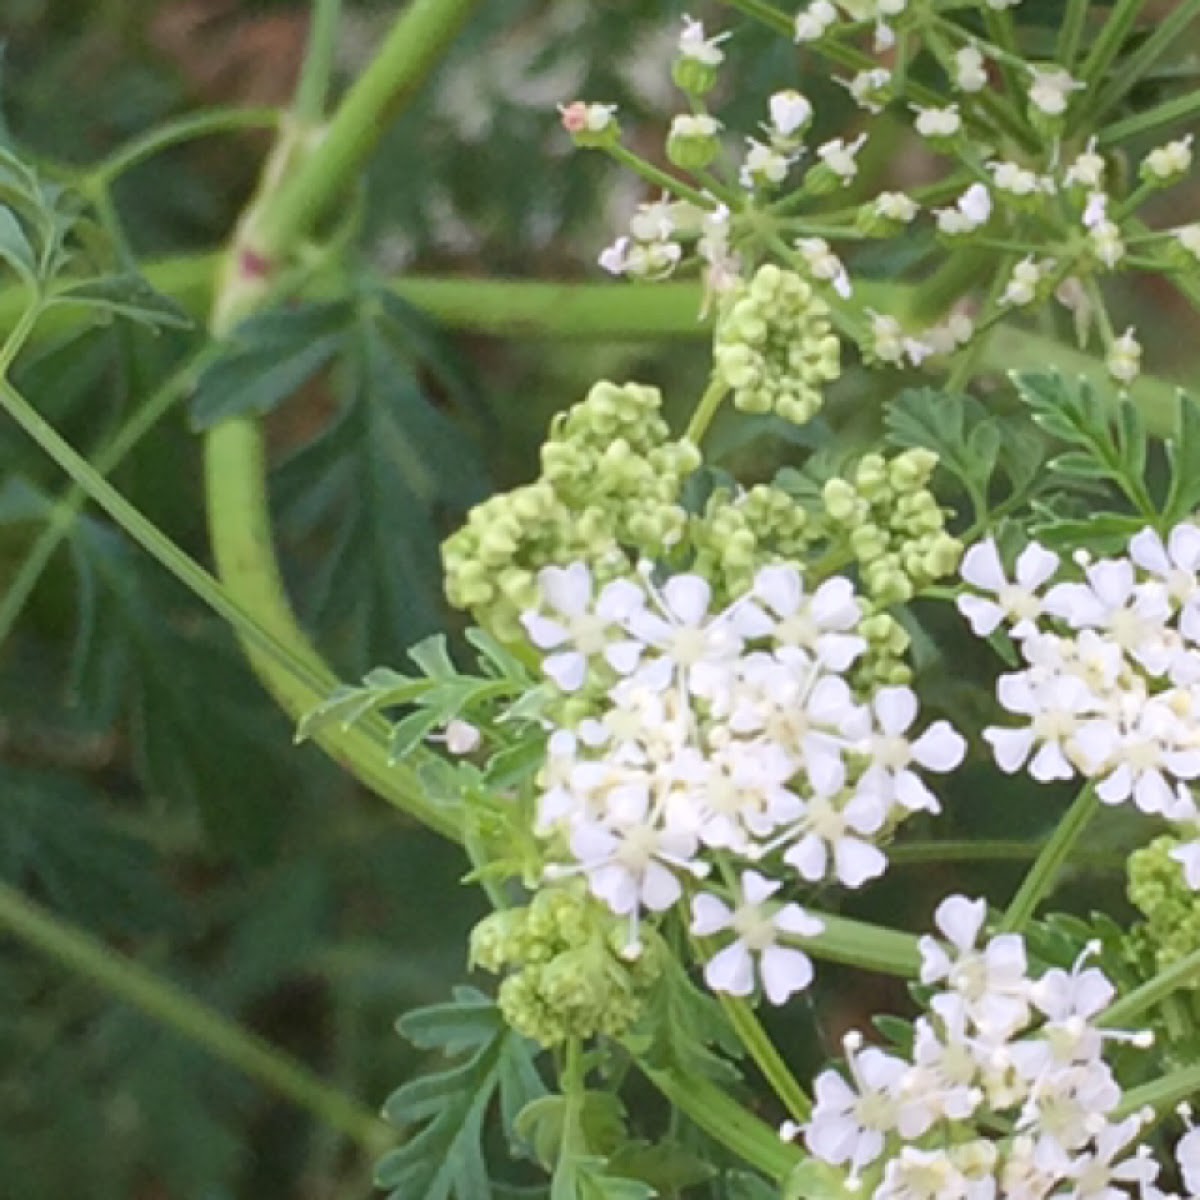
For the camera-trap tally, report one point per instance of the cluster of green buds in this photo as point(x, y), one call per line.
point(774, 346)
point(735, 535)
point(608, 494)
point(1158, 889)
point(566, 976)
point(893, 525)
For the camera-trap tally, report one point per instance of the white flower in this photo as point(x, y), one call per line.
point(641, 260)
point(1124, 358)
point(937, 122)
point(1107, 243)
point(579, 630)
point(840, 156)
point(694, 45)
point(1017, 180)
point(1022, 285)
point(784, 971)
point(922, 1175)
point(837, 835)
point(1051, 90)
point(970, 75)
point(1188, 236)
point(849, 1125)
point(824, 265)
point(892, 755)
point(1087, 171)
point(887, 338)
point(1175, 564)
point(763, 164)
point(992, 981)
point(819, 623)
point(1057, 707)
point(896, 206)
point(684, 643)
point(813, 22)
point(1094, 1174)
point(971, 210)
point(791, 113)
point(581, 117)
point(867, 88)
point(1016, 602)
point(1169, 161)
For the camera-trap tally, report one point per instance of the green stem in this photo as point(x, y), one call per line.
point(716, 391)
point(172, 133)
point(713, 1110)
point(869, 947)
point(1180, 974)
point(1107, 46)
point(317, 70)
point(1038, 883)
point(655, 175)
point(767, 1058)
point(300, 681)
point(1165, 35)
point(412, 49)
point(768, 15)
point(172, 1006)
point(1178, 109)
point(1162, 1095)
point(1067, 47)
point(63, 515)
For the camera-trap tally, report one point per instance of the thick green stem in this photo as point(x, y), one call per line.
point(173, 1007)
point(869, 947)
point(716, 391)
point(1165, 34)
point(410, 52)
point(1162, 1095)
point(1040, 880)
point(1070, 32)
point(1107, 46)
point(1183, 973)
point(1181, 108)
point(767, 1058)
point(714, 1111)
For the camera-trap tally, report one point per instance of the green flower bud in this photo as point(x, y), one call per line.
point(693, 141)
point(692, 76)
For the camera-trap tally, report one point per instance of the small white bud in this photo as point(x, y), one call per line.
point(462, 737)
point(1051, 90)
point(1168, 162)
point(1124, 359)
point(814, 21)
point(969, 72)
point(937, 122)
point(896, 206)
point(791, 113)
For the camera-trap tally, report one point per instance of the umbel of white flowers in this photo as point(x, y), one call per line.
point(732, 733)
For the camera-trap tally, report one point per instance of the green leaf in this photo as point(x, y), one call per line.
point(1111, 435)
point(1103, 532)
point(667, 1166)
point(813, 1180)
point(127, 295)
point(367, 501)
point(444, 1157)
point(15, 249)
point(1183, 453)
point(956, 428)
point(267, 358)
point(683, 1029)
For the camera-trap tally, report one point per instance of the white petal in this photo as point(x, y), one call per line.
point(981, 566)
point(1035, 565)
point(613, 884)
point(619, 600)
point(1183, 542)
point(960, 920)
point(1050, 763)
point(781, 588)
point(731, 970)
point(834, 605)
point(809, 857)
point(984, 616)
point(1146, 549)
point(784, 972)
point(709, 915)
point(940, 747)
point(914, 795)
point(1112, 580)
point(791, 918)
point(623, 657)
point(858, 861)
point(660, 888)
point(544, 633)
point(567, 589)
point(1010, 746)
point(568, 670)
point(756, 888)
point(896, 708)
point(838, 650)
point(687, 598)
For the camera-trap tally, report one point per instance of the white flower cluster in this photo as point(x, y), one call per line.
point(1006, 1092)
point(1111, 684)
point(731, 734)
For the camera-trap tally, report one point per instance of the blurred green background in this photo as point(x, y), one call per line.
point(149, 791)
